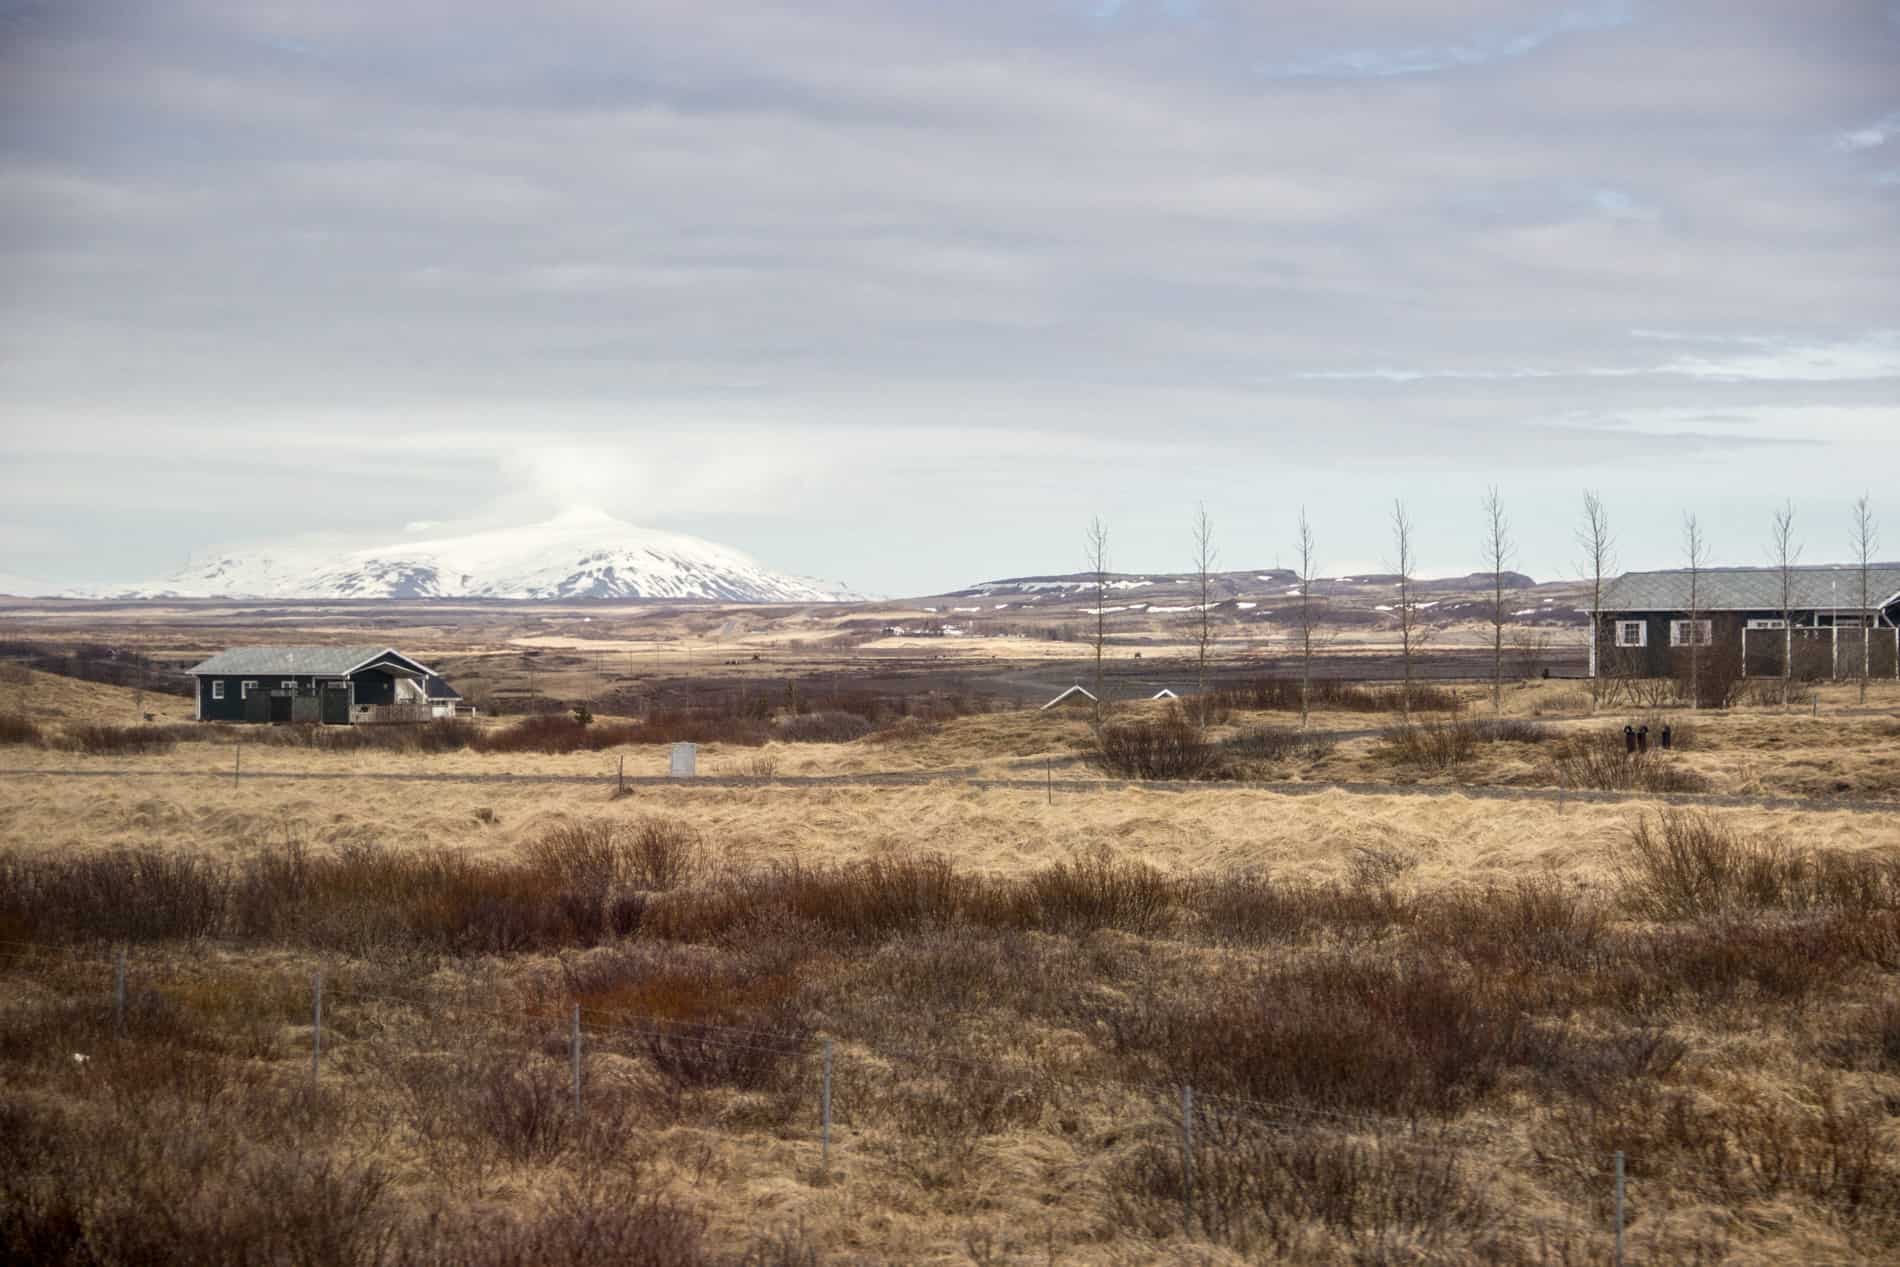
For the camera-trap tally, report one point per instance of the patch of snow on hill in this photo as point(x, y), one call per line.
point(579, 554)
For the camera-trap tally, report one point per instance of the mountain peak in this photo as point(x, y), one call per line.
point(583, 552)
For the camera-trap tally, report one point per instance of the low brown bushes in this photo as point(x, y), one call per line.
point(1340, 1031)
point(832, 727)
point(1597, 760)
point(1092, 892)
point(1432, 745)
point(1282, 694)
point(1264, 1186)
point(15, 729)
point(1171, 748)
point(1688, 864)
point(101, 740)
point(555, 733)
point(1276, 743)
point(1444, 745)
point(125, 895)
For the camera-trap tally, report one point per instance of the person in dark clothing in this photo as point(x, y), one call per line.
point(1642, 739)
point(1629, 739)
point(1665, 737)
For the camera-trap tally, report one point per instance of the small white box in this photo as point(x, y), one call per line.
point(685, 758)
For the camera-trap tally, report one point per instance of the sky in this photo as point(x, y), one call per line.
point(902, 292)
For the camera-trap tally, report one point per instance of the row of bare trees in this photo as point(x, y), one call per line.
point(1594, 539)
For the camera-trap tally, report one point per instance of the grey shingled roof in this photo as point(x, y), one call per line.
point(296, 661)
point(1750, 589)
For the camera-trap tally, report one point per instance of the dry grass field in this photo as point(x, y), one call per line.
point(1418, 1027)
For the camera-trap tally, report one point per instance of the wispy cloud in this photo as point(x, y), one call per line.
point(1871, 137)
point(1868, 358)
point(1476, 50)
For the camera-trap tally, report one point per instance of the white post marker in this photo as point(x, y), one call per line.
point(684, 762)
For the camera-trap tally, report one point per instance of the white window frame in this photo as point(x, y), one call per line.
point(244, 688)
point(217, 688)
point(1623, 628)
point(1765, 623)
point(289, 684)
point(1677, 629)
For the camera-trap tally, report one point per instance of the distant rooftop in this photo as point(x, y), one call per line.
point(1816, 588)
point(323, 661)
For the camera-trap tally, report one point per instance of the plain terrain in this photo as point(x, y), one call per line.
point(1418, 1027)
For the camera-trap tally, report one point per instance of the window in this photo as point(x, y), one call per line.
point(244, 690)
point(1684, 633)
point(1767, 624)
point(289, 684)
point(217, 690)
point(1632, 633)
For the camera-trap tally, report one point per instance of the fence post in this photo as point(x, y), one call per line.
point(1187, 1161)
point(620, 777)
point(316, 1024)
point(825, 1114)
point(118, 994)
point(237, 763)
point(1619, 1210)
point(575, 1044)
point(1049, 770)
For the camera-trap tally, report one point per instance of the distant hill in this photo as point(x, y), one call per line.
point(578, 555)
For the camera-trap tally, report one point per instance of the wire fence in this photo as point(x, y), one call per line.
point(1197, 1118)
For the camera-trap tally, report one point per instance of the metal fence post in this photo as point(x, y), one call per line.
point(575, 1044)
point(1187, 1161)
point(118, 994)
point(825, 1114)
point(237, 763)
point(1619, 1210)
point(316, 1025)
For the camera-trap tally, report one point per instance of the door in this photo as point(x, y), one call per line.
point(280, 705)
point(336, 704)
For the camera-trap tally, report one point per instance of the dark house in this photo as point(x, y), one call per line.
point(1647, 622)
point(337, 686)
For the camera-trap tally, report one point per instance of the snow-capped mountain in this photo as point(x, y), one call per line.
point(579, 554)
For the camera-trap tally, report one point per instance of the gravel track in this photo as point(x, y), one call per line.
point(967, 777)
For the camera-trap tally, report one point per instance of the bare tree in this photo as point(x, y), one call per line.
point(1786, 553)
point(1203, 620)
point(1095, 550)
point(1308, 615)
point(1599, 557)
point(1695, 550)
point(1866, 540)
point(1498, 550)
point(1402, 545)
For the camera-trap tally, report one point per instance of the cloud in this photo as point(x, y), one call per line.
point(1476, 50)
point(966, 273)
point(1870, 358)
point(1872, 136)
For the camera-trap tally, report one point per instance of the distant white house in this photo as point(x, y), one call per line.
point(1074, 694)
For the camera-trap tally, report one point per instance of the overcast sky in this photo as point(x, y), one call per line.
point(901, 292)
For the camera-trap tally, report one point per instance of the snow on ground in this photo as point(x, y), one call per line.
point(1246, 606)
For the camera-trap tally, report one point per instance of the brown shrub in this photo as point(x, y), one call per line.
point(125, 895)
point(1171, 748)
point(1335, 1031)
point(100, 740)
point(15, 729)
point(1596, 760)
point(1687, 864)
point(1263, 1186)
point(832, 727)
